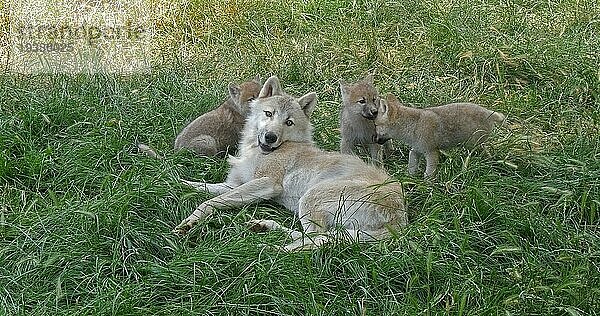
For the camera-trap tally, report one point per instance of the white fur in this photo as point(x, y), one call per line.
point(325, 190)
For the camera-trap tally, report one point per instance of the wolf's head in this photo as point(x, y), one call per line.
point(276, 117)
point(242, 95)
point(361, 98)
point(386, 113)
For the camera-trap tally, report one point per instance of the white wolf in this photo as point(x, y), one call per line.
point(328, 191)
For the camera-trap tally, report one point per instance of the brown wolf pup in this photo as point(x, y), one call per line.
point(218, 131)
point(360, 106)
point(428, 130)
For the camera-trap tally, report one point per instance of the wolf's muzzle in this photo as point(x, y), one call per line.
point(270, 137)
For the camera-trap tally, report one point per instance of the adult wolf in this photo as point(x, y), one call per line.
point(329, 192)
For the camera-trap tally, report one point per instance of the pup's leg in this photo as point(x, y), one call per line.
point(413, 161)
point(376, 153)
point(346, 146)
point(212, 188)
point(249, 192)
point(432, 158)
point(387, 149)
point(203, 145)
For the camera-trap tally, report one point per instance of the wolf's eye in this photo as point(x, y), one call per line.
point(362, 101)
point(251, 99)
point(268, 113)
point(289, 123)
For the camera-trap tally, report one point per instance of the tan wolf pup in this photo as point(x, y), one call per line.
point(360, 106)
point(428, 130)
point(278, 161)
point(218, 131)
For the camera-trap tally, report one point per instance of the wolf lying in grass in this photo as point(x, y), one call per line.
point(277, 160)
point(218, 131)
point(360, 106)
point(428, 130)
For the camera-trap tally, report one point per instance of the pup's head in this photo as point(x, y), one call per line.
point(361, 98)
point(386, 112)
point(277, 117)
point(243, 94)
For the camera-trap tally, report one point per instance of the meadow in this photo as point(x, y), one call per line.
point(86, 220)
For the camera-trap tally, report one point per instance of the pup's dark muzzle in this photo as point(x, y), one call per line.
point(370, 114)
point(380, 139)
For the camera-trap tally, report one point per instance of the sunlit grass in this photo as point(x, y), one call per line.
point(85, 220)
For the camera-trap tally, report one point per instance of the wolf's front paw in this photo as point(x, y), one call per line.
point(184, 227)
point(200, 186)
point(261, 225)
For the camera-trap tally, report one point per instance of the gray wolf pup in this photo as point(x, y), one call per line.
point(428, 130)
point(360, 106)
point(278, 161)
point(218, 131)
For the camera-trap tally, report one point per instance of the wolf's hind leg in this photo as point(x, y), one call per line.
point(308, 242)
point(259, 225)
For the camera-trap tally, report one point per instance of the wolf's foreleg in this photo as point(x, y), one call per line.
point(212, 188)
point(258, 189)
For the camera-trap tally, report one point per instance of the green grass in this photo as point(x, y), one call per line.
point(85, 220)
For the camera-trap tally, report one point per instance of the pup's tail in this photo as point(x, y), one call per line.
point(143, 148)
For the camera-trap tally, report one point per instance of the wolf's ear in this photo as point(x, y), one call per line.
point(270, 88)
point(369, 79)
point(234, 91)
point(307, 103)
point(257, 79)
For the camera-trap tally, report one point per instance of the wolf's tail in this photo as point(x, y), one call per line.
point(143, 148)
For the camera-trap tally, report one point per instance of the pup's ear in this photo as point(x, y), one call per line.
point(307, 103)
point(234, 91)
point(369, 79)
point(270, 88)
point(388, 104)
point(257, 79)
point(382, 107)
point(343, 87)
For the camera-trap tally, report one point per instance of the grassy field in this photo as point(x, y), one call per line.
point(85, 220)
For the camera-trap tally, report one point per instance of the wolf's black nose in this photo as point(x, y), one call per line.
point(270, 137)
point(374, 112)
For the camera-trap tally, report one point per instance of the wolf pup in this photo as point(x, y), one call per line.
point(359, 109)
point(428, 130)
point(218, 131)
point(278, 161)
